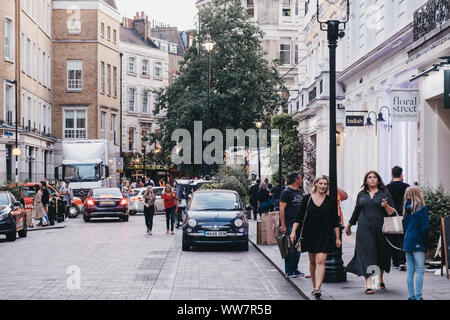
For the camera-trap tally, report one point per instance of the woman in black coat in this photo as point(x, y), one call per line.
point(373, 203)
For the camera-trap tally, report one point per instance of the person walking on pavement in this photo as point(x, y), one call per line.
point(263, 199)
point(254, 198)
point(373, 203)
point(276, 192)
point(397, 189)
point(38, 207)
point(66, 192)
point(318, 222)
point(415, 226)
point(290, 202)
point(149, 208)
point(45, 197)
point(169, 200)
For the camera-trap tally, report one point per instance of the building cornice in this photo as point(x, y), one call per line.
point(395, 44)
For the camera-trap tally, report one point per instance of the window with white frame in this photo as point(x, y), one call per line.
point(115, 81)
point(29, 56)
point(108, 33)
point(44, 67)
point(23, 55)
point(131, 99)
point(115, 35)
point(23, 109)
point(75, 124)
point(103, 125)
point(285, 53)
point(40, 65)
point(158, 70)
point(9, 39)
point(296, 54)
point(131, 65)
point(113, 128)
point(102, 77)
point(49, 70)
point(145, 98)
point(131, 139)
point(74, 25)
point(49, 19)
point(108, 80)
point(8, 104)
point(145, 70)
point(74, 75)
point(286, 10)
point(102, 30)
point(29, 114)
point(251, 8)
point(34, 62)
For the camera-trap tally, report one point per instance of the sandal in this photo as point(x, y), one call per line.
point(318, 294)
point(369, 291)
point(382, 286)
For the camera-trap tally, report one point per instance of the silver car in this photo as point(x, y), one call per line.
point(137, 200)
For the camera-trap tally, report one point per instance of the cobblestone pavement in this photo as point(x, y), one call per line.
point(117, 260)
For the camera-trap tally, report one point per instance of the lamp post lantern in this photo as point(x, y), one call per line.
point(334, 269)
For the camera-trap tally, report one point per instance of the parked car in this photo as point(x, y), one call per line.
point(215, 217)
point(137, 200)
point(76, 205)
point(12, 217)
point(105, 203)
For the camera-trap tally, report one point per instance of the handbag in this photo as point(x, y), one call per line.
point(393, 225)
point(284, 244)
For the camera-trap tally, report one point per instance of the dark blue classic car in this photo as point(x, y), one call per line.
point(215, 217)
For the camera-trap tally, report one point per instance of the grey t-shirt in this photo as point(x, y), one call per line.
point(66, 197)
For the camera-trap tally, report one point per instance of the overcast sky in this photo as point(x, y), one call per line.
point(177, 13)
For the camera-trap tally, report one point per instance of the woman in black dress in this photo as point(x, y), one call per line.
point(373, 203)
point(317, 236)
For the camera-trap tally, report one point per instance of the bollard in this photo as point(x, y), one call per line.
point(52, 212)
point(61, 210)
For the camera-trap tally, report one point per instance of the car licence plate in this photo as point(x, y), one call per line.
point(107, 203)
point(215, 233)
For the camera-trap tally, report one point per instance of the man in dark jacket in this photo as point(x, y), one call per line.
point(45, 195)
point(276, 191)
point(397, 189)
point(254, 198)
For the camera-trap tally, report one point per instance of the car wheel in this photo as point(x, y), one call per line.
point(86, 219)
point(185, 246)
point(74, 211)
point(23, 233)
point(11, 236)
point(244, 247)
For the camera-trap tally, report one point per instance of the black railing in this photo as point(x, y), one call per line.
point(430, 16)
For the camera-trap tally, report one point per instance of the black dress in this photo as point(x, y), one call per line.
point(318, 231)
point(371, 247)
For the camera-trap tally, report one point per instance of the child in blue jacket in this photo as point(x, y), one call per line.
point(415, 227)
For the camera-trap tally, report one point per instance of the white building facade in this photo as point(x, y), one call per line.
point(144, 70)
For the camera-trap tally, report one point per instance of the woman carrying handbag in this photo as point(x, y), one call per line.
point(318, 223)
point(38, 207)
point(149, 209)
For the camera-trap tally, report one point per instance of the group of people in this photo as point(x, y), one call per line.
point(313, 227)
point(264, 197)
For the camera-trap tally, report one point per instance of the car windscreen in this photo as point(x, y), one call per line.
point(4, 199)
point(28, 191)
point(158, 191)
point(135, 192)
point(215, 201)
point(107, 193)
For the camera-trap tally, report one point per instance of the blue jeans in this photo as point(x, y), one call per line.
point(291, 261)
point(415, 261)
point(170, 217)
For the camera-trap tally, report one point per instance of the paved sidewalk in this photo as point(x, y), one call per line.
point(55, 226)
point(434, 287)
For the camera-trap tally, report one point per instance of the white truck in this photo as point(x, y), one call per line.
point(84, 165)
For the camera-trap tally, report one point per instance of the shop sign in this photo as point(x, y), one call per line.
point(6, 134)
point(354, 121)
point(118, 161)
point(405, 105)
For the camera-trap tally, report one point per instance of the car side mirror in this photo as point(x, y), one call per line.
point(17, 205)
point(248, 208)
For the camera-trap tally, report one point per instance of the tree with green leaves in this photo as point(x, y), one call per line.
point(298, 152)
point(244, 86)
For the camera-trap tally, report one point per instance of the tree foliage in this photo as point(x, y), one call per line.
point(438, 203)
point(244, 86)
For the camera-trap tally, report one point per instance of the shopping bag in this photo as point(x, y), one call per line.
point(283, 244)
point(267, 229)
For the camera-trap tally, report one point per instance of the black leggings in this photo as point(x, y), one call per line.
point(148, 213)
point(170, 216)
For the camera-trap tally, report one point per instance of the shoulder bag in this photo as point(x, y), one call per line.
point(393, 224)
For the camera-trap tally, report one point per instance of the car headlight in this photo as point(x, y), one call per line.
point(192, 223)
point(4, 215)
point(238, 223)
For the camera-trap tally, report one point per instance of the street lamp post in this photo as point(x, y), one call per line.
point(120, 114)
point(208, 45)
point(258, 125)
point(16, 151)
point(334, 270)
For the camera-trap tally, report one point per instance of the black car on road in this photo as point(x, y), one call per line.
point(12, 217)
point(105, 203)
point(215, 217)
